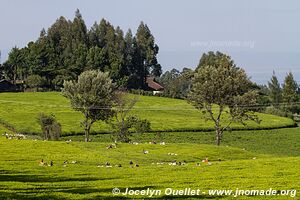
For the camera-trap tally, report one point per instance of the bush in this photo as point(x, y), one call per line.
point(50, 127)
point(132, 124)
point(279, 112)
point(35, 82)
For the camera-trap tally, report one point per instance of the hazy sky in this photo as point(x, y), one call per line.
point(259, 35)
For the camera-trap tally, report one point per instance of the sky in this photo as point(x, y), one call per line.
point(260, 36)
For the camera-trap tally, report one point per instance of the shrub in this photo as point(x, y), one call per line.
point(50, 127)
point(279, 112)
point(35, 82)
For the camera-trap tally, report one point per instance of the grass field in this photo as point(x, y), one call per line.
point(246, 159)
point(276, 166)
point(278, 142)
point(21, 109)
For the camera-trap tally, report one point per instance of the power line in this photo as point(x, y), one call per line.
point(171, 108)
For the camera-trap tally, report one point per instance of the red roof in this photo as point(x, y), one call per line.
point(152, 84)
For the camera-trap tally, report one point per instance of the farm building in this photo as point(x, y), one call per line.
point(6, 86)
point(154, 86)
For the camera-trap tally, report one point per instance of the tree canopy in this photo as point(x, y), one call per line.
point(92, 95)
point(68, 47)
point(275, 91)
point(218, 87)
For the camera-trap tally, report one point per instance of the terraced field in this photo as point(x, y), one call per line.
point(21, 109)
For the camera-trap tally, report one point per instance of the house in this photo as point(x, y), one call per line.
point(7, 86)
point(154, 86)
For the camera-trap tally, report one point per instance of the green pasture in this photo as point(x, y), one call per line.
point(231, 167)
point(21, 109)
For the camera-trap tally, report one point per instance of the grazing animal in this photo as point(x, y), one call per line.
point(198, 164)
point(42, 162)
point(65, 162)
point(174, 162)
point(111, 146)
point(119, 165)
point(51, 163)
point(107, 164)
point(74, 162)
point(162, 143)
point(131, 163)
point(136, 165)
point(68, 141)
point(205, 161)
point(145, 151)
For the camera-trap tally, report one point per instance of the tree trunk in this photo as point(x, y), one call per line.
point(218, 135)
point(87, 133)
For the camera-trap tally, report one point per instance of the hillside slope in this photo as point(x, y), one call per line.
point(21, 109)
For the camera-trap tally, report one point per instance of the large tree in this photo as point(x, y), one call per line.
point(289, 93)
point(67, 48)
point(176, 84)
point(92, 95)
point(275, 92)
point(148, 51)
point(223, 88)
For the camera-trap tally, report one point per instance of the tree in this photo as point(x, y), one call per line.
point(289, 93)
point(67, 48)
point(211, 58)
point(15, 67)
point(124, 123)
point(223, 88)
point(176, 84)
point(275, 92)
point(92, 95)
point(50, 127)
point(148, 51)
point(35, 82)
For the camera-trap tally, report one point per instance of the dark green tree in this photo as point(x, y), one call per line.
point(15, 66)
point(289, 93)
point(148, 51)
point(67, 48)
point(176, 84)
point(275, 92)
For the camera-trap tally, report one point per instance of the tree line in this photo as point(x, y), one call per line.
point(274, 98)
point(68, 48)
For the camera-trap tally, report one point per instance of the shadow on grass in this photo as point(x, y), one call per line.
point(146, 197)
point(17, 196)
point(161, 197)
point(191, 197)
point(101, 193)
point(37, 178)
